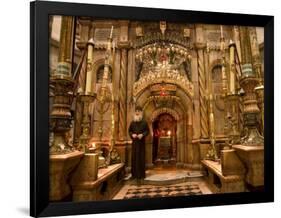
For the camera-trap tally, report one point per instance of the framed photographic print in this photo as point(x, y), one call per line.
point(142, 109)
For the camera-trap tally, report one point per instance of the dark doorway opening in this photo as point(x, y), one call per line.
point(164, 139)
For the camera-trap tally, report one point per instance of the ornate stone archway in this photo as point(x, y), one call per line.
point(179, 106)
point(163, 86)
point(163, 110)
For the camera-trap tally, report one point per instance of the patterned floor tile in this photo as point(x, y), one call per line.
point(162, 191)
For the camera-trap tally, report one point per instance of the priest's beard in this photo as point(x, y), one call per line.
point(138, 117)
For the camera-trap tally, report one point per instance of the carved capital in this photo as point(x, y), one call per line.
point(124, 44)
point(200, 45)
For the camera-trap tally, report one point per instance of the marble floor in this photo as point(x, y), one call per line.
point(165, 183)
point(158, 176)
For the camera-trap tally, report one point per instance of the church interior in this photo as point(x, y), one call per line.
point(200, 88)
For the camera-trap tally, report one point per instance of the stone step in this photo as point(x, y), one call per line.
point(169, 177)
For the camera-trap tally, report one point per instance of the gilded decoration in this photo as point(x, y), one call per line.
point(163, 63)
point(201, 94)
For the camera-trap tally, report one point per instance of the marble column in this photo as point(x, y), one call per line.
point(64, 67)
point(124, 46)
point(200, 46)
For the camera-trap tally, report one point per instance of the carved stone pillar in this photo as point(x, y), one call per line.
point(123, 90)
point(123, 45)
point(200, 45)
point(65, 51)
point(202, 90)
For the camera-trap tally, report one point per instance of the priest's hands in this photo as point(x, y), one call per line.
point(139, 136)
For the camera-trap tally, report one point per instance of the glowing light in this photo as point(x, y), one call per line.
point(94, 145)
point(169, 133)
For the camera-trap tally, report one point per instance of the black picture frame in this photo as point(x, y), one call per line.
point(39, 119)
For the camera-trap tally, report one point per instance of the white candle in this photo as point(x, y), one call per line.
point(232, 70)
point(89, 68)
point(221, 32)
point(111, 32)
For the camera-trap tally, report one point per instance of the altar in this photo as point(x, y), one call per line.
point(164, 148)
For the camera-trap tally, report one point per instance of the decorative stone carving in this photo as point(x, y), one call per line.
point(202, 91)
point(253, 158)
point(223, 183)
point(123, 90)
point(165, 75)
point(61, 165)
point(114, 157)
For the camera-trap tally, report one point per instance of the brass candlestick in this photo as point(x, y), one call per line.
point(225, 87)
point(212, 153)
point(60, 117)
point(251, 110)
point(86, 99)
point(232, 116)
point(105, 97)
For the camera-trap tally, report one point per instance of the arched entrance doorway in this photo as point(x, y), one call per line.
point(164, 89)
point(164, 139)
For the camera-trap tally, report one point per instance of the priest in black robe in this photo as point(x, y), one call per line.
point(138, 130)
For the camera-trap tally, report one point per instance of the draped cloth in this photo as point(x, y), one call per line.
point(138, 148)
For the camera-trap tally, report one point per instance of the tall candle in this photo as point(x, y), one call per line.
point(109, 42)
point(107, 59)
point(221, 32)
point(90, 48)
point(232, 78)
point(224, 79)
point(111, 32)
